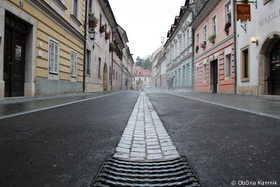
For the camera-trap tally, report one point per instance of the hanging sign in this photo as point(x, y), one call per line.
point(243, 12)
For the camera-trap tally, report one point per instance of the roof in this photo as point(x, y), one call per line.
point(137, 70)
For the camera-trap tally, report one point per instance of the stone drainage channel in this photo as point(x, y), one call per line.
point(145, 155)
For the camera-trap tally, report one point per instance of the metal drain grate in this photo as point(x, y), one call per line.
point(127, 173)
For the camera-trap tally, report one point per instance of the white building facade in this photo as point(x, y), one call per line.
point(258, 64)
point(179, 52)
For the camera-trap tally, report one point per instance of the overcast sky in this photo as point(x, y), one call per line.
point(145, 22)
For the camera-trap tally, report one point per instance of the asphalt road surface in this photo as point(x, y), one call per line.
point(225, 147)
point(66, 145)
point(63, 146)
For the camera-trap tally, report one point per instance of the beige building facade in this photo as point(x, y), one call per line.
point(41, 47)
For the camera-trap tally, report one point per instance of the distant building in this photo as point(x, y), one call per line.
point(179, 50)
point(109, 62)
point(159, 68)
point(142, 77)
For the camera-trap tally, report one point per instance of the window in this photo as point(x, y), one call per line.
point(197, 72)
point(53, 56)
point(214, 25)
point(100, 20)
point(204, 71)
point(75, 8)
point(99, 67)
point(245, 64)
point(197, 38)
point(90, 6)
point(205, 33)
point(59, 6)
point(88, 62)
point(228, 66)
point(116, 75)
point(181, 44)
point(188, 38)
point(73, 64)
point(228, 12)
point(110, 71)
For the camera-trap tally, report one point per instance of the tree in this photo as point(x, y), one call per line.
point(147, 64)
point(144, 63)
point(138, 62)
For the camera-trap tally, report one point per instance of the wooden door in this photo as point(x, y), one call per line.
point(14, 62)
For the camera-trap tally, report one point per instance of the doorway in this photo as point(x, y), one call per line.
point(214, 76)
point(14, 56)
point(105, 78)
point(275, 69)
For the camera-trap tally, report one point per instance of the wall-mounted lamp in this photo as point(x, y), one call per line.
point(254, 40)
point(91, 34)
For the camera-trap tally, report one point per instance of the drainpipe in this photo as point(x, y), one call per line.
point(235, 40)
point(85, 47)
point(112, 71)
point(192, 29)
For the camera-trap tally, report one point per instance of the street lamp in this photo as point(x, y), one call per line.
point(254, 40)
point(91, 34)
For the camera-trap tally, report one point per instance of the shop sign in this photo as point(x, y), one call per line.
point(243, 12)
point(265, 1)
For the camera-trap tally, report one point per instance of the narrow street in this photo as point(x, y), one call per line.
point(65, 141)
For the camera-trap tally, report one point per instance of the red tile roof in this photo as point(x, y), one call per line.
point(137, 70)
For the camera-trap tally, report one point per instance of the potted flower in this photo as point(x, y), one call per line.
point(102, 28)
point(196, 48)
point(212, 38)
point(88, 71)
point(227, 26)
point(112, 47)
point(107, 35)
point(203, 45)
point(92, 21)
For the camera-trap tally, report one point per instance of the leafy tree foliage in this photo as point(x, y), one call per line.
point(144, 63)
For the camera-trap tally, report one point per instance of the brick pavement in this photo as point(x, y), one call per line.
point(145, 138)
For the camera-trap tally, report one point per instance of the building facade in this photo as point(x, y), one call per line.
point(142, 78)
point(179, 50)
point(214, 49)
point(159, 68)
point(127, 75)
point(258, 63)
point(41, 47)
point(106, 67)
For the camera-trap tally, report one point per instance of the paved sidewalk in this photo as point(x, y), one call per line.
point(265, 105)
point(145, 138)
point(14, 106)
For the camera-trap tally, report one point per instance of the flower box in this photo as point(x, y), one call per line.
point(112, 47)
point(211, 38)
point(107, 35)
point(227, 26)
point(102, 28)
point(92, 21)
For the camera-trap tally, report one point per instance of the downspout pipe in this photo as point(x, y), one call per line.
point(85, 48)
point(235, 41)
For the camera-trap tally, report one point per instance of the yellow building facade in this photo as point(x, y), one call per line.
point(41, 47)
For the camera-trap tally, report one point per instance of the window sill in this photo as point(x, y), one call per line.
point(245, 79)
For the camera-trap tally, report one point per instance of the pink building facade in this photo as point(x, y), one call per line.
point(214, 67)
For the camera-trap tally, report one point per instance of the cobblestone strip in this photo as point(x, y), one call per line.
point(145, 138)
